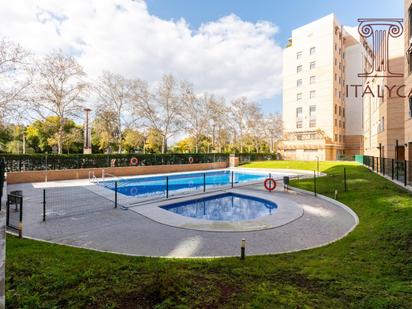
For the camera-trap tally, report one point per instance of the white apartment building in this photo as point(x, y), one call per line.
point(319, 122)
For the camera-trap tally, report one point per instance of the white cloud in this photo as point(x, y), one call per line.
point(229, 56)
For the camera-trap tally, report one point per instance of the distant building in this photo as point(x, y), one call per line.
point(319, 121)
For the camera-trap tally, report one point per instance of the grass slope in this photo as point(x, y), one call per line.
point(370, 268)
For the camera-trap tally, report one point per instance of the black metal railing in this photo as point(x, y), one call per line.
point(115, 192)
point(400, 170)
point(14, 212)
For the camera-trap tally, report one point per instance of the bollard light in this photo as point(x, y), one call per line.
point(242, 249)
point(336, 194)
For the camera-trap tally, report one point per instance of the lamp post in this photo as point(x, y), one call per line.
point(87, 145)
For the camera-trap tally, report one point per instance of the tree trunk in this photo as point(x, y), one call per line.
point(163, 144)
point(60, 136)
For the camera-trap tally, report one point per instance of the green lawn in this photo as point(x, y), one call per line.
point(370, 268)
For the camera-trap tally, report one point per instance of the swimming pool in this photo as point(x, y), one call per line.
point(174, 183)
point(224, 207)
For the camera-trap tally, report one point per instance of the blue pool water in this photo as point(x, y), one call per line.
point(156, 185)
point(224, 207)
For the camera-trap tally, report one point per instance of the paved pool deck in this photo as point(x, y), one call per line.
point(129, 232)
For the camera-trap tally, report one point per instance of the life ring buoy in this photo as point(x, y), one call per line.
point(270, 184)
point(190, 160)
point(134, 161)
point(134, 191)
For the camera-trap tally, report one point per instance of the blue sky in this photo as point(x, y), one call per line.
point(287, 15)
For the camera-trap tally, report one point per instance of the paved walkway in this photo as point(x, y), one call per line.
point(128, 232)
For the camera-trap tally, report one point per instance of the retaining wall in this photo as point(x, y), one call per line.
point(41, 176)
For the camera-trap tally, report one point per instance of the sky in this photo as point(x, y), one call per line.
point(230, 48)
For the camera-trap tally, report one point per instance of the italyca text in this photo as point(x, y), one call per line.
point(380, 91)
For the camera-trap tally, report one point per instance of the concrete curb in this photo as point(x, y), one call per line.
point(332, 201)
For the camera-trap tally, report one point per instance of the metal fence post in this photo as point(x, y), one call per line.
point(21, 218)
point(344, 177)
point(393, 167)
point(167, 186)
point(7, 211)
point(397, 170)
point(115, 194)
point(383, 166)
point(314, 182)
point(44, 204)
point(405, 179)
point(232, 179)
point(204, 182)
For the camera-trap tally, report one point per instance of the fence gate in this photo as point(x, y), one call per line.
point(14, 213)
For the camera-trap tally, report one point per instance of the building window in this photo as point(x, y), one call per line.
point(336, 122)
point(340, 111)
point(312, 50)
point(340, 124)
point(298, 112)
point(343, 112)
point(298, 83)
point(336, 137)
point(299, 137)
point(336, 61)
point(312, 65)
point(312, 110)
point(298, 97)
point(336, 46)
point(312, 123)
point(299, 124)
point(410, 107)
point(312, 80)
point(343, 124)
point(299, 69)
point(312, 94)
point(336, 109)
point(299, 55)
point(312, 136)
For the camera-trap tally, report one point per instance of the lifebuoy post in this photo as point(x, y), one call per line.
point(270, 184)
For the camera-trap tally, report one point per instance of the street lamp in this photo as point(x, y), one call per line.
point(87, 145)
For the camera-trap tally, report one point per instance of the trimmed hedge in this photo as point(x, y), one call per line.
point(37, 162)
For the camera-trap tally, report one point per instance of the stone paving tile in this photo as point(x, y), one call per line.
point(125, 231)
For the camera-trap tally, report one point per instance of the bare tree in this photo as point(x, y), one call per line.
point(240, 112)
point(58, 89)
point(14, 76)
point(196, 111)
point(273, 130)
point(114, 92)
point(255, 125)
point(218, 122)
point(160, 111)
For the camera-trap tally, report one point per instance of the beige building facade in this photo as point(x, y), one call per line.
point(408, 80)
point(319, 122)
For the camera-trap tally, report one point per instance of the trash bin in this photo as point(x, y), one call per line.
point(286, 180)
